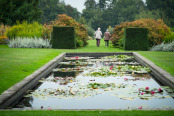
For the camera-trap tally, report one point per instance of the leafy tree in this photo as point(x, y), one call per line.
point(12, 10)
point(154, 14)
point(82, 20)
point(72, 12)
point(166, 8)
point(51, 8)
point(88, 14)
point(126, 10)
point(102, 4)
point(90, 4)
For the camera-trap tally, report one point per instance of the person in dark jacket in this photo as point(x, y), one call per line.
point(107, 38)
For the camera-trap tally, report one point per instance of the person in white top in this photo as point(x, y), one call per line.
point(98, 35)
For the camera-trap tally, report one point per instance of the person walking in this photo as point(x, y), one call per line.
point(98, 35)
point(107, 38)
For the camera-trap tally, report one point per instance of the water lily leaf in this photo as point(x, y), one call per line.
point(127, 98)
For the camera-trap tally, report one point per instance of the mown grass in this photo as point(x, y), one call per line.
point(165, 60)
point(86, 113)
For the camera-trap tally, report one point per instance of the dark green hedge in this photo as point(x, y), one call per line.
point(135, 39)
point(63, 38)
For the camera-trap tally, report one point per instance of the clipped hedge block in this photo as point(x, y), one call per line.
point(63, 38)
point(136, 39)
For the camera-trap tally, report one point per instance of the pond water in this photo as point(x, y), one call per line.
point(110, 82)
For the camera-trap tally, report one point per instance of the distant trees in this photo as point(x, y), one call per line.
point(51, 8)
point(105, 13)
point(165, 9)
point(34, 10)
point(111, 12)
point(12, 10)
point(90, 4)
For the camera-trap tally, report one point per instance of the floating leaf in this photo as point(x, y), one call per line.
point(127, 98)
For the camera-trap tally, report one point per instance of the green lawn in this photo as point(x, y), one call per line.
point(17, 63)
point(86, 113)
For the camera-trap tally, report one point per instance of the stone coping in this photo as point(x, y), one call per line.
point(17, 91)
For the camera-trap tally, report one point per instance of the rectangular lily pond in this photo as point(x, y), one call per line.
point(109, 82)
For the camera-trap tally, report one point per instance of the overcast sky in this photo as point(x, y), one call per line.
point(79, 4)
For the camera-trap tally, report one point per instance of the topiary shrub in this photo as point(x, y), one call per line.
point(63, 38)
point(64, 20)
point(157, 30)
point(135, 39)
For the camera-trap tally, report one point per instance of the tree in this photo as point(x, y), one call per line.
point(154, 14)
point(72, 12)
point(126, 10)
point(52, 8)
point(102, 4)
point(82, 20)
point(13, 10)
point(90, 4)
point(165, 7)
point(111, 12)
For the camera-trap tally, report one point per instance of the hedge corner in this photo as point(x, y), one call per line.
point(63, 38)
point(136, 39)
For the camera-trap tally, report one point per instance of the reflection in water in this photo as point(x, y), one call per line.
point(66, 89)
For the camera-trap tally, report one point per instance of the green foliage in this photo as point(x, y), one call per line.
point(90, 4)
point(102, 4)
point(25, 30)
point(169, 38)
point(90, 30)
point(63, 38)
point(82, 20)
point(100, 85)
point(157, 30)
point(63, 20)
point(12, 10)
point(79, 42)
point(104, 13)
point(165, 7)
point(135, 39)
point(51, 8)
point(154, 14)
point(111, 30)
